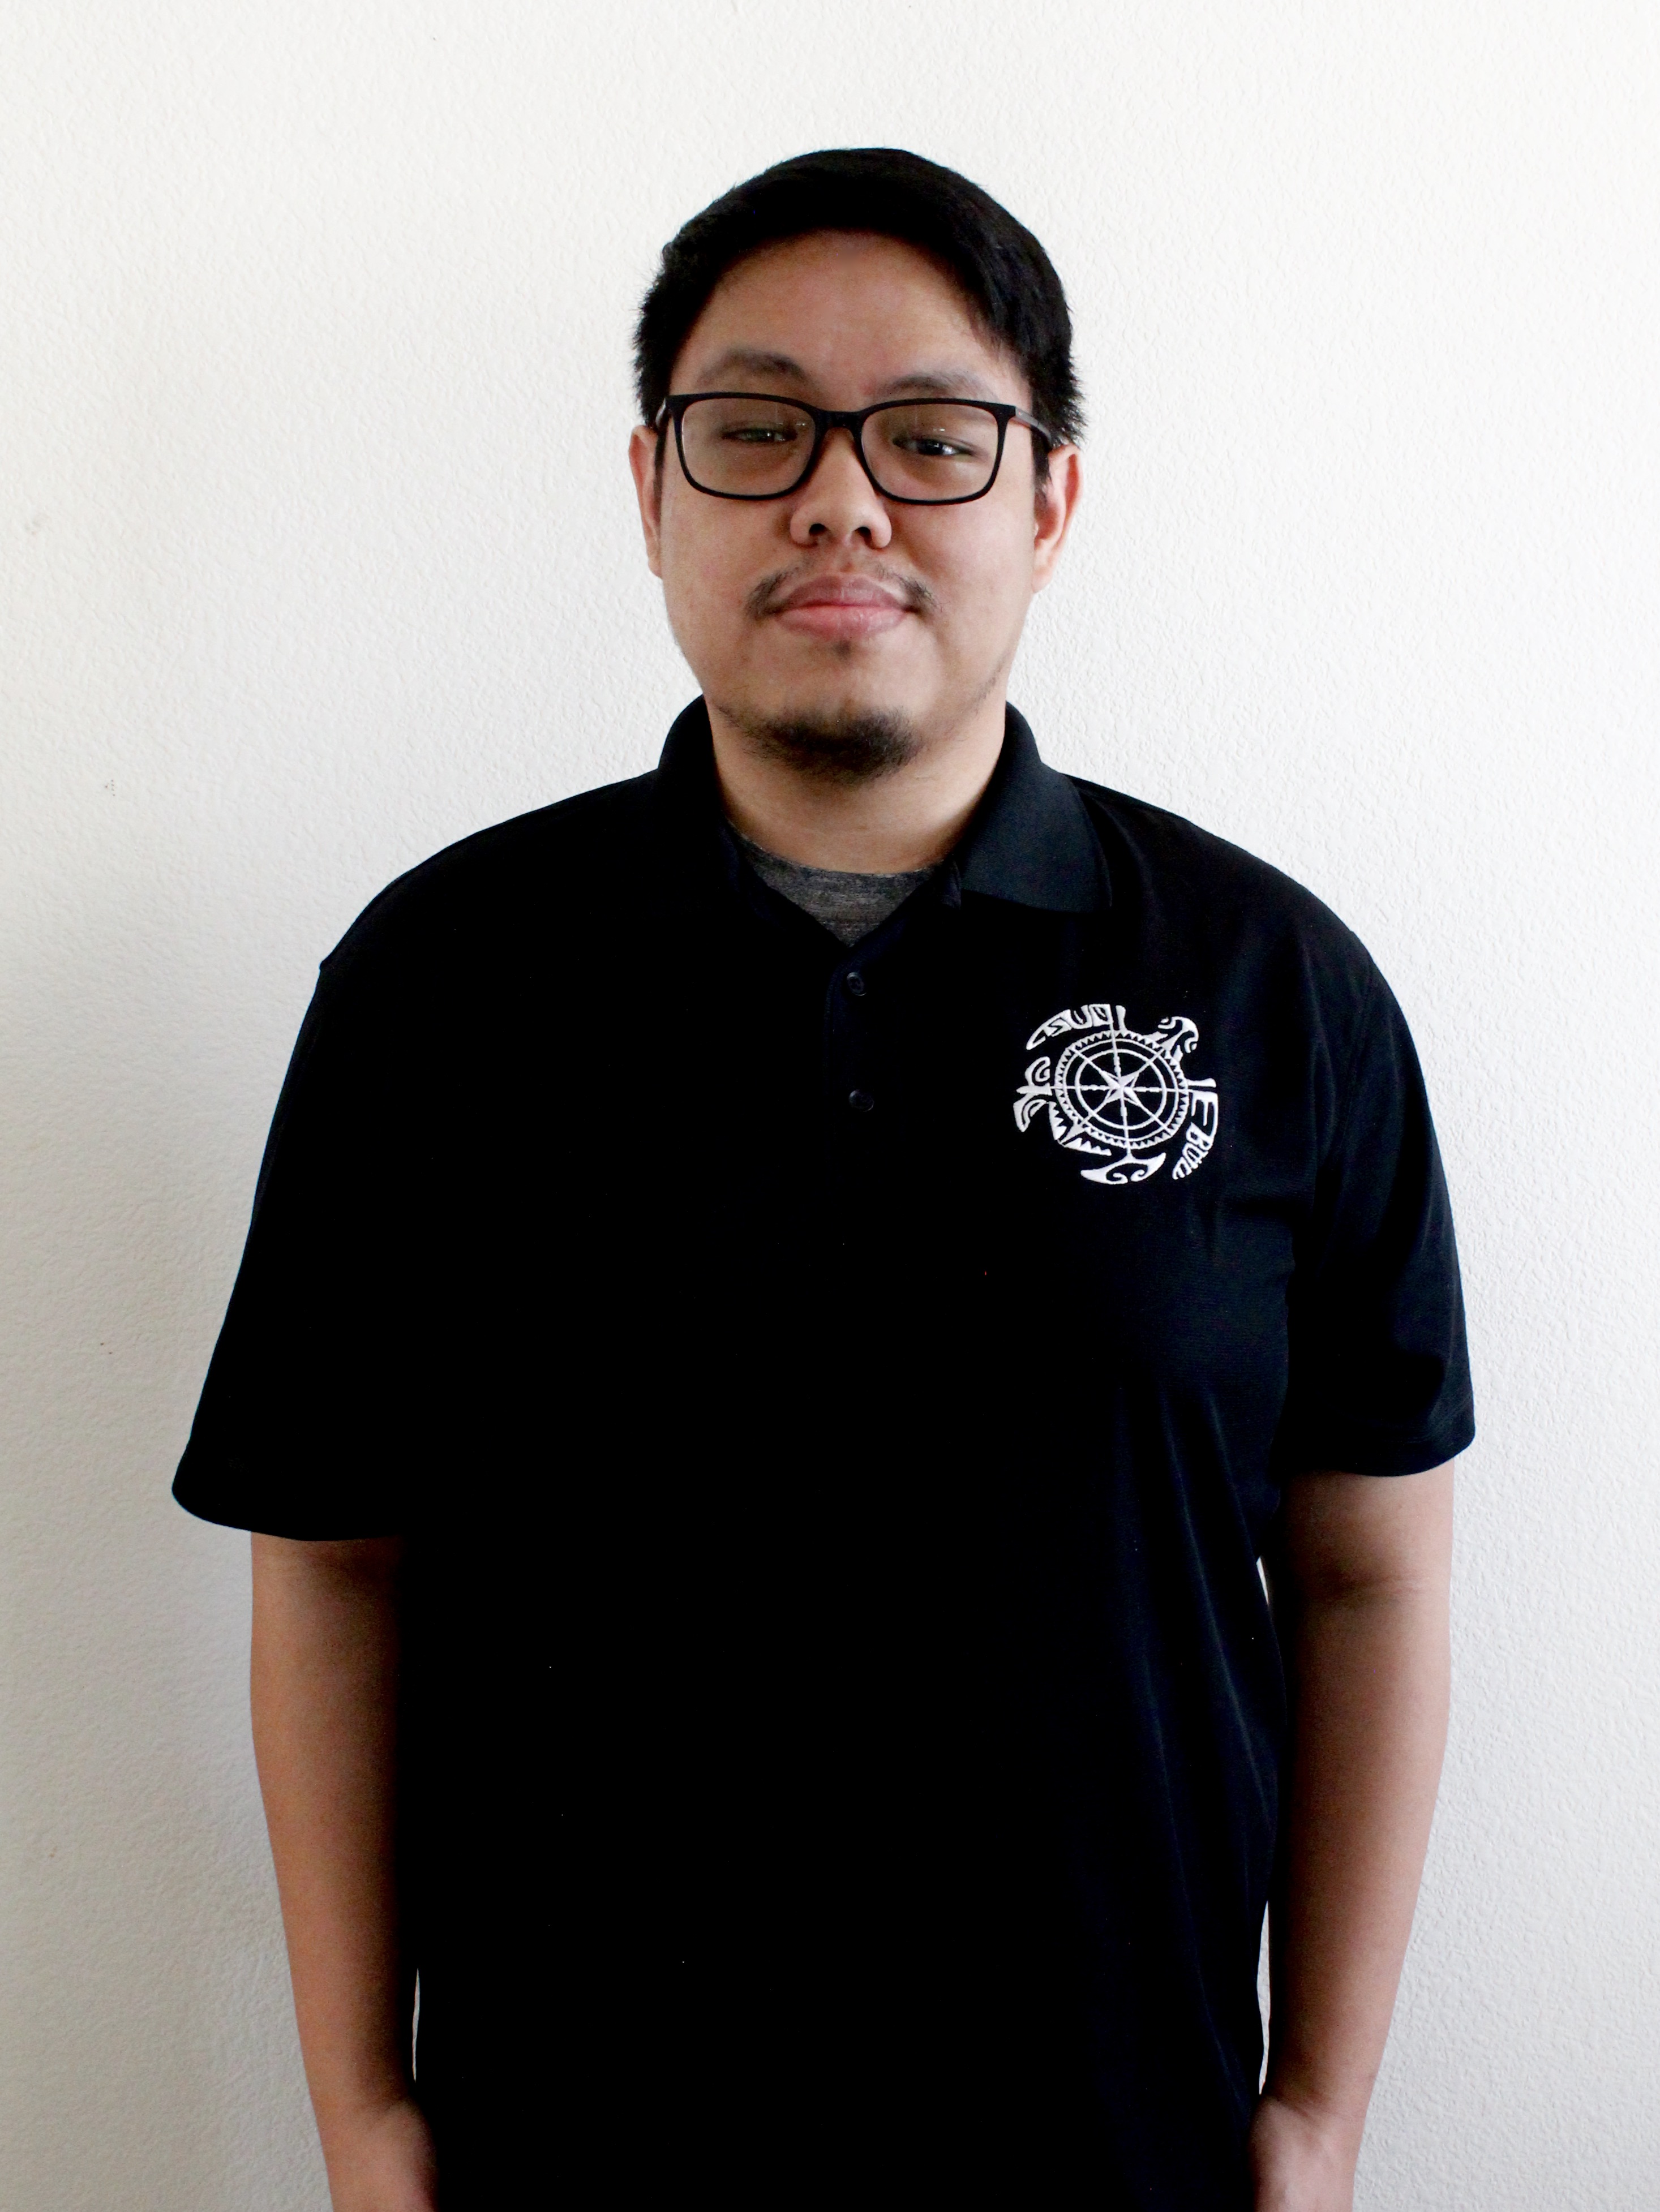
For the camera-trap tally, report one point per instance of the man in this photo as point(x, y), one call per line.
point(786, 1302)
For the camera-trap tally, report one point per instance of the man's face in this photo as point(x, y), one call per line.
point(831, 606)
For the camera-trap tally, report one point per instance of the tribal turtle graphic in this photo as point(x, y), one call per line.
point(1119, 1094)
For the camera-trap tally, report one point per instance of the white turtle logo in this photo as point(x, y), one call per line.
point(1119, 1094)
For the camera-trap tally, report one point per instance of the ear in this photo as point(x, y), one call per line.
point(1056, 504)
point(648, 490)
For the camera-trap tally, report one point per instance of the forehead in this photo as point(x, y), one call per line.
point(844, 316)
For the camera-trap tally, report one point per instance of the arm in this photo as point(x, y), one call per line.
point(1361, 1599)
point(324, 1682)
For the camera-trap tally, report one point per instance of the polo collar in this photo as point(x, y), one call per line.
point(1030, 840)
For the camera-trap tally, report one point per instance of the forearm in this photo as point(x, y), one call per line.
point(1370, 1673)
point(323, 1695)
point(1360, 1599)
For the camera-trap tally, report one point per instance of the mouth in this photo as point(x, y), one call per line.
point(840, 609)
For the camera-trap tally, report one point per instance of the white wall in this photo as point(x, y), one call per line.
point(317, 551)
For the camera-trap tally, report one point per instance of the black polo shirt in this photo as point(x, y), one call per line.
point(836, 1401)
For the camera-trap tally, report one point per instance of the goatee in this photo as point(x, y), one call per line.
point(851, 747)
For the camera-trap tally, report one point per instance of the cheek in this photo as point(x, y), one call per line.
point(980, 568)
point(699, 592)
point(710, 551)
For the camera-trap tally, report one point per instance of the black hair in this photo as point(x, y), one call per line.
point(1007, 279)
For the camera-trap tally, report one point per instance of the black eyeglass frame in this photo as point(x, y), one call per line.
point(826, 419)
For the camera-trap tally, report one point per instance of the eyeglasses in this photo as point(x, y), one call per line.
point(921, 452)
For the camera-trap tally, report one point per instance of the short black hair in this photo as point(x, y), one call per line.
point(1007, 279)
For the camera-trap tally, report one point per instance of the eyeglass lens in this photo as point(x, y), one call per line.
point(917, 450)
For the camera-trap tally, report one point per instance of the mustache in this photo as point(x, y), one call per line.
point(771, 590)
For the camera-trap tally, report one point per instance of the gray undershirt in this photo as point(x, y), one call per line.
point(849, 903)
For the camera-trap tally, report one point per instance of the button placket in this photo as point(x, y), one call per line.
point(850, 1070)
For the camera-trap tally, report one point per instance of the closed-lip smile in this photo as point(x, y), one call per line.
point(842, 608)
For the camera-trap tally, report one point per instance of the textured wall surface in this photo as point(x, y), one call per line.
point(317, 551)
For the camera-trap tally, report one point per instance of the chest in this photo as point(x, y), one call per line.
point(1049, 1119)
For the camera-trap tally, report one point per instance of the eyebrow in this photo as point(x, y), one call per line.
point(960, 384)
point(745, 359)
point(957, 383)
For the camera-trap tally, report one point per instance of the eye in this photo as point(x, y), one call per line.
point(760, 433)
point(746, 443)
point(934, 446)
point(936, 435)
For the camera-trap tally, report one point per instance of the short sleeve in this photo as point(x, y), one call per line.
point(1379, 1379)
point(316, 1418)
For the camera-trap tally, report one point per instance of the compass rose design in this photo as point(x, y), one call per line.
point(1119, 1094)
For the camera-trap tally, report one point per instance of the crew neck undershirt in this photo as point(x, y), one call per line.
point(849, 903)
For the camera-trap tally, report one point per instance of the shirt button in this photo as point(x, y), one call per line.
point(860, 1101)
point(855, 982)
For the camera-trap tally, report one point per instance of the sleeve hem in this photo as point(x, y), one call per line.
point(229, 1499)
point(1357, 1454)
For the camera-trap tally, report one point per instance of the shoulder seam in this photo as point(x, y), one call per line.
point(1346, 1083)
point(409, 884)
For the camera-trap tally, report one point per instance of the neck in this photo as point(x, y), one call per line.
point(909, 817)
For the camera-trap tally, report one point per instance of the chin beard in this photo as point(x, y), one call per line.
point(851, 747)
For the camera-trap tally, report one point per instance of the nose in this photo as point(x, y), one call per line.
point(838, 502)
